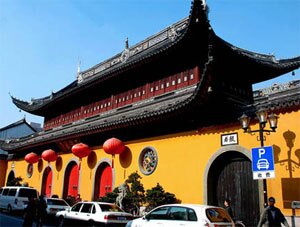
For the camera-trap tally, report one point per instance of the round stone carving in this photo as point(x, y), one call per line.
point(148, 160)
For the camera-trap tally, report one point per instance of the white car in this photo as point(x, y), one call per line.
point(192, 215)
point(54, 205)
point(94, 214)
point(15, 198)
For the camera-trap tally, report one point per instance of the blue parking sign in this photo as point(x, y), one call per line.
point(263, 162)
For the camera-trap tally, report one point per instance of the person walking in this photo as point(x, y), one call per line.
point(29, 212)
point(272, 216)
point(78, 198)
point(41, 211)
point(227, 204)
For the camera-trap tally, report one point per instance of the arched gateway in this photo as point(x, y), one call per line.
point(71, 180)
point(103, 182)
point(47, 182)
point(230, 176)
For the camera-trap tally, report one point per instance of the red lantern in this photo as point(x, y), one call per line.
point(113, 146)
point(32, 158)
point(81, 150)
point(49, 155)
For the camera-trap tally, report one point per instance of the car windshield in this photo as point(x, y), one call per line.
point(56, 202)
point(110, 207)
point(217, 215)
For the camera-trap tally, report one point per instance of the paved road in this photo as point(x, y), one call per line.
point(7, 220)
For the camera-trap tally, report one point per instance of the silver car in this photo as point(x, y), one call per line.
point(178, 215)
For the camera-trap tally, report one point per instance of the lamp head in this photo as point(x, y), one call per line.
point(273, 120)
point(262, 116)
point(244, 120)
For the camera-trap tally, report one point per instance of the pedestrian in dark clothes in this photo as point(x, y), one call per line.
point(29, 212)
point(272, 216)
point(41, 211)
point(227, 204)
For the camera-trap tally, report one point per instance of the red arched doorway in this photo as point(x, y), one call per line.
point(47, 182)
point(103, 180)
point(71, 180)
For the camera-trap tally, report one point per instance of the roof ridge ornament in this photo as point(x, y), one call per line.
point(126, 53)
point(173, 33)
point(79, 74)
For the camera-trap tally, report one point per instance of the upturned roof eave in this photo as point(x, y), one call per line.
point(36, 106)
point(266, 63)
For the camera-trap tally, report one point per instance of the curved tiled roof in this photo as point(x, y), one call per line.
point(160, 108)
point(160, 44)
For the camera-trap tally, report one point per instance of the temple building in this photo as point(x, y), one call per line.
point(173, 100)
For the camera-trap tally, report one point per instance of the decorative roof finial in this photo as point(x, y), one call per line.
point(126, 43)
point(79, 75)
point(78, 66)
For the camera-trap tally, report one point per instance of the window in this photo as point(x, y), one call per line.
point(94, 209)
point(56, 202)
point(86, 208)
point(109, 207)
point(76, 207)
point(191, 76)
point(12, 192)
point(192, 215)
point(5, 191)
point(160, 213)
point(25, 192)
point(178, 213)
point(217, 215)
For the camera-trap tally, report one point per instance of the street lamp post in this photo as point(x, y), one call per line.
point(262, 116)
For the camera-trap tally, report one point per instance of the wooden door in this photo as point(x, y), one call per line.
point(103, 180)
point(230, 176)
point(47, 182)
point(73, 181)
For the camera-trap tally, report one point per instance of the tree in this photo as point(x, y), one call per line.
point(157, 196)
point(136, 194)
point(15, 182)
point(110, 197)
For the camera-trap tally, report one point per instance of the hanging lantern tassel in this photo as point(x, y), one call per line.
point(112, 161)
point(79, 164)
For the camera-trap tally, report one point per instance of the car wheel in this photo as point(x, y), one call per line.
point(9, 209)
point(92, 223)
point(61, 221)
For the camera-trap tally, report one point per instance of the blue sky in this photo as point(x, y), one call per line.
point(42, 41)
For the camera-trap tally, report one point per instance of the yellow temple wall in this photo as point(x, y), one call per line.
point(182, 161)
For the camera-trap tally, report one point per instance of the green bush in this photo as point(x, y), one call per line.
point(136, 196)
